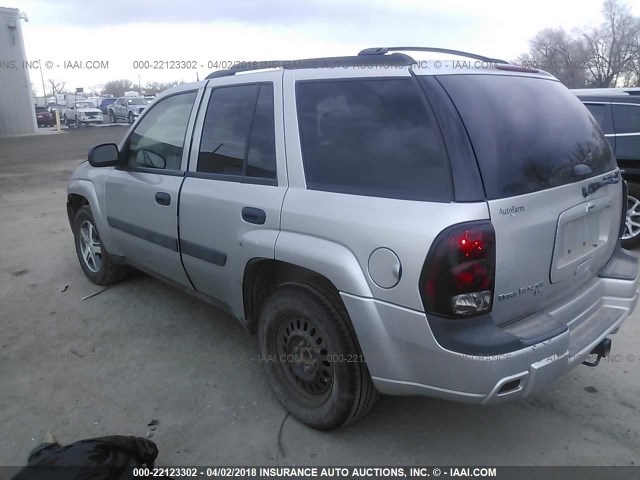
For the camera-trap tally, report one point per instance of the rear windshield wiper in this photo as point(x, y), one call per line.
point(595, 186)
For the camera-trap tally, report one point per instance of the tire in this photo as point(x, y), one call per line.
point(112, 117)
point(631, 236)
point(312, 359)
point(66, 120)
point(98, 266)
point(130, 118)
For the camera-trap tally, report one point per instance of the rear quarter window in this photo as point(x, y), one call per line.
point(373, 137)
point(527, 133)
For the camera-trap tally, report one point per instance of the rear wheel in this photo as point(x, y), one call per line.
point(94, 258)
point(311, 357)
point(631, 235)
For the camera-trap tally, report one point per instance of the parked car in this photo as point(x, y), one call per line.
point(44, 117)
point(617, 111)
point(104, 105)
point(82, 113)
point(447, 232)
point(127, 108)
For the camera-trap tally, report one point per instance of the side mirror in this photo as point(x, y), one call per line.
point(72, 107)
point(105, 155)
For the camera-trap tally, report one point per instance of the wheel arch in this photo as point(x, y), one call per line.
point(82, 193)
point(304, 259)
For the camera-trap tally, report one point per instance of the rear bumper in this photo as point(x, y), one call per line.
point(405, 358)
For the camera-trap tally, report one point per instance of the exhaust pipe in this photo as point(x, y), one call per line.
point(602, 350)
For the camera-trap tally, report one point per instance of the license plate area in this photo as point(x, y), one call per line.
point(582, 235)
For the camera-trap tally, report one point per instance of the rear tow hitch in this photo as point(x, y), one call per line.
point(601, 350)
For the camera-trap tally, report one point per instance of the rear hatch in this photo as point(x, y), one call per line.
point(537, 148)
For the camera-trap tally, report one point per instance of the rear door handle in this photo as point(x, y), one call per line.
point(254, 215)
point(163, 198)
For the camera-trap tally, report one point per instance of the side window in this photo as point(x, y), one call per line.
point(371, 137)
point(598, 110)
point(158, 140)
point(238, 136)
point(626, 118)
point(261, 160)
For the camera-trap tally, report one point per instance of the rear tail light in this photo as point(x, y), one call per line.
point(457, 279)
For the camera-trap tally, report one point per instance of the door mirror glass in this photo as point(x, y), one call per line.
point(105, 155)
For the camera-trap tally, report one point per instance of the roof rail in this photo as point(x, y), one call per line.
point(607, 91)
point(384, 50)
point(393, 60)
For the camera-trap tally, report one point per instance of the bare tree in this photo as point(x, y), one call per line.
point(152, 88)
point(118, 87)
point(612, 48)
point(560, 54)
point(56, 87)
point(603, 56)
point(96, 90)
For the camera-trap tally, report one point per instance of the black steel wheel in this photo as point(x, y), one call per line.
point(311, 356)
point(307, 366)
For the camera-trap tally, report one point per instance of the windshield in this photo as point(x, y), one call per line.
point(136, 101)
point(84, 105)
point(528, 133)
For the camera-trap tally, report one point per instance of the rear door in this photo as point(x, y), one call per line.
point(233, 192)
point(626, 118)
point(141, 196)
point(538, 149)
point(601, 111)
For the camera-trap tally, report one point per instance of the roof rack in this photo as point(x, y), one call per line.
point(393, 60)
point(607, 91)
point(384, 50)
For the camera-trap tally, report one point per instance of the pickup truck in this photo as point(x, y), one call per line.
point(127, 108)
point(82, 112)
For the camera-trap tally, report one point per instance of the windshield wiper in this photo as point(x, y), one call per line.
point(595, 186)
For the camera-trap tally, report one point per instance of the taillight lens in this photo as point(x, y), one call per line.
point(458, 276)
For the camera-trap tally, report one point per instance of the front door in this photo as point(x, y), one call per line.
point(142, 194)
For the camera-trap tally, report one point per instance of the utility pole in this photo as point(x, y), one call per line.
point(44, 91)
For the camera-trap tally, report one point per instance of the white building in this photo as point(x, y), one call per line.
point(17, 114)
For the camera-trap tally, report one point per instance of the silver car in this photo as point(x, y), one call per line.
point(383, 225)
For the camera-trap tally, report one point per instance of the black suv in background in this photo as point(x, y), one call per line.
point(617, 110)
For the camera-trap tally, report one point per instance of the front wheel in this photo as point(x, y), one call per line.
point(631, 235)
point(130, 118)
point(312, 359)
point(94, 259)
point(112, 117)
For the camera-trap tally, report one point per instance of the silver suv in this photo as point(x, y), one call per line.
point(447, 229)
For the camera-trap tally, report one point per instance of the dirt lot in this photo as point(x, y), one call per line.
point(141, 351)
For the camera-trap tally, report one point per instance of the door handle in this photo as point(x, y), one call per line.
point(254, 215)
point(163, 198)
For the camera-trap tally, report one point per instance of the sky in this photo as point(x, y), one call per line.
point(127, 34)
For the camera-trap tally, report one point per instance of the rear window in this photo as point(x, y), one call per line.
point(371, 137)
point(527, 133)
